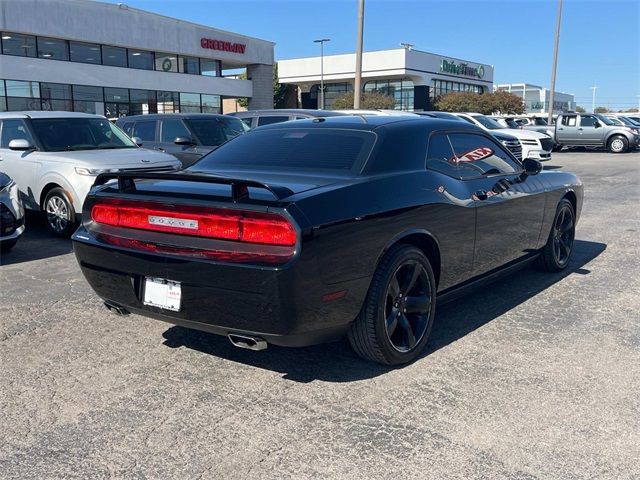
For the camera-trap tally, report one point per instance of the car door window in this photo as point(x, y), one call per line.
point(14, 130)
point(172, 129)
point(478, 155)
point(128, 128)
point(569, 121)
point(440, 156)
point(247, 121)
point(145, 130)
point(272, 119)
point(587, 121)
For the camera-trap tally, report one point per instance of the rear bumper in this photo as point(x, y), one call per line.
point(284, 305)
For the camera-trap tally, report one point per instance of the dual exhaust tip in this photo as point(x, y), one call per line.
point(236, 339)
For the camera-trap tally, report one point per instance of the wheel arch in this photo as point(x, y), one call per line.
point(572, 197)
point(425, 241)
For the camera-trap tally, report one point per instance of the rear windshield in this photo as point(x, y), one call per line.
point(290, 149)
point(216, 131)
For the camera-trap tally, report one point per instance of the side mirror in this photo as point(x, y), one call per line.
point(21, 145)
point(184, 141)
point(137, 141)
point(596, 124)
point(532, 166)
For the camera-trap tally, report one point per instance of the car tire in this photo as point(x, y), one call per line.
point(393, 326)
point(618, 144)
point(59, 214)
point(556, 254)
point(7, 245)
point(557, 148)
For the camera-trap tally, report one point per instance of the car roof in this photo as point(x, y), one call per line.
point(287, 111)
point(371, 122)
point(48, 114)
point(156, 116)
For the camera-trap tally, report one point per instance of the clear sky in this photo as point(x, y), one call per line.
point(599, 39)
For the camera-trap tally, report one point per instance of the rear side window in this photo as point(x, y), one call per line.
point(14, 130)
point(145, 130)
point(293, 149)
point(569, 121)
point(128, 128)
point(477, 155)
point(440, 157)
point(272, 119)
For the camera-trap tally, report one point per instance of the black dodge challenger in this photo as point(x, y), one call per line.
point(306, 231)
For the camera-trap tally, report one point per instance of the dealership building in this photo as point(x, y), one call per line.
point(414, 78)
point(536, 99)
point(81, 55)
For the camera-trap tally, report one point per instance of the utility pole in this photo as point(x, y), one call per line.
point(555, 64)
point(357, 86)
point(321, 42)
point(593, 100)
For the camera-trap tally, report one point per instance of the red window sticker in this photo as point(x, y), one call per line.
point(476, 154)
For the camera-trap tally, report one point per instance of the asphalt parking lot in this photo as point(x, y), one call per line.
point(538, 376)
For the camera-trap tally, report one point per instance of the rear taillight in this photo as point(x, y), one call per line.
point(222, 224)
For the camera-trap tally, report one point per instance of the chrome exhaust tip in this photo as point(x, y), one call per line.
point(116, 309)
point(245, 341)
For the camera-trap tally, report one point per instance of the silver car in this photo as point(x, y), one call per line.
point(11, 213)
point(54, 158)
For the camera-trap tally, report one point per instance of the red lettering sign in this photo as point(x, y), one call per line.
point(212, 44)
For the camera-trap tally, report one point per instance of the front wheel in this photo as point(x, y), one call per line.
point(618, 144)
point(557, 252)
point(395, 322)
point(59, 213)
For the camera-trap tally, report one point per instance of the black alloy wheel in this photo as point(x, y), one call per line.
point(396, 319)
point(59, 213)
point(557, 252)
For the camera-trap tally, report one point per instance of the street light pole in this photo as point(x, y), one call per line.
point(555, 64)
point(593, 100)
point(357, 85)
point(321, 42)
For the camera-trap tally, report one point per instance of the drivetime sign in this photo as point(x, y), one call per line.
point(449, 66)
point(213, 44)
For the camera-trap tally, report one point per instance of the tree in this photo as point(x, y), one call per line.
point(487, 103)
point(280, 90)
point(601, 110)
point(580, 109)
point(368, 101)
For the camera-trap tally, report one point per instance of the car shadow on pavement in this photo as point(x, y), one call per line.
point(36, 243)
point(336, 362)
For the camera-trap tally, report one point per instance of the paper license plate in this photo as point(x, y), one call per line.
point(162, 293)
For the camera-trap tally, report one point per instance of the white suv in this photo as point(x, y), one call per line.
point(54, 158)
point(534, 145)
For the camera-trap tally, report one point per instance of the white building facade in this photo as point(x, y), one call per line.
point(414, 78)
point(537, 98)
point(81, 55)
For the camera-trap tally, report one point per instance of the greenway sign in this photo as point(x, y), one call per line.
point(449, 66)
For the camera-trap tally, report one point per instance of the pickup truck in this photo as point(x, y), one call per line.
point(594, 130)
point(534, 124)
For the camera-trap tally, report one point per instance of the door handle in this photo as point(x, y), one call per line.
point(561, 129)
point(159, 149)
point(580, 128)
point(481, 194)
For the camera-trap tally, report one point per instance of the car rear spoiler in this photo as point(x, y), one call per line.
point(239, 186)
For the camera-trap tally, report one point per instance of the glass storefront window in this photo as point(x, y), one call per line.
point(20, 45)
point(166, 62)
point(118, 95)
point(114, 56)
point(57, 91)
point(168, 102)
point(85, 53)
point(143, 101)
point(210, 103)
point(210, 68)
point(140, 59)
point(189, 65)
point(53, 49)
point(18, 103)
point(402, 90)
point(86, 92)
point(17, 88)
point(190, 102)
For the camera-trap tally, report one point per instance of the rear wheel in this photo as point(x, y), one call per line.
point(59, 213)
point(557, 252)
point(618, 144)
point(396, 319)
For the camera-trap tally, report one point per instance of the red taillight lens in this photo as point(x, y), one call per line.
point(250, 227)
